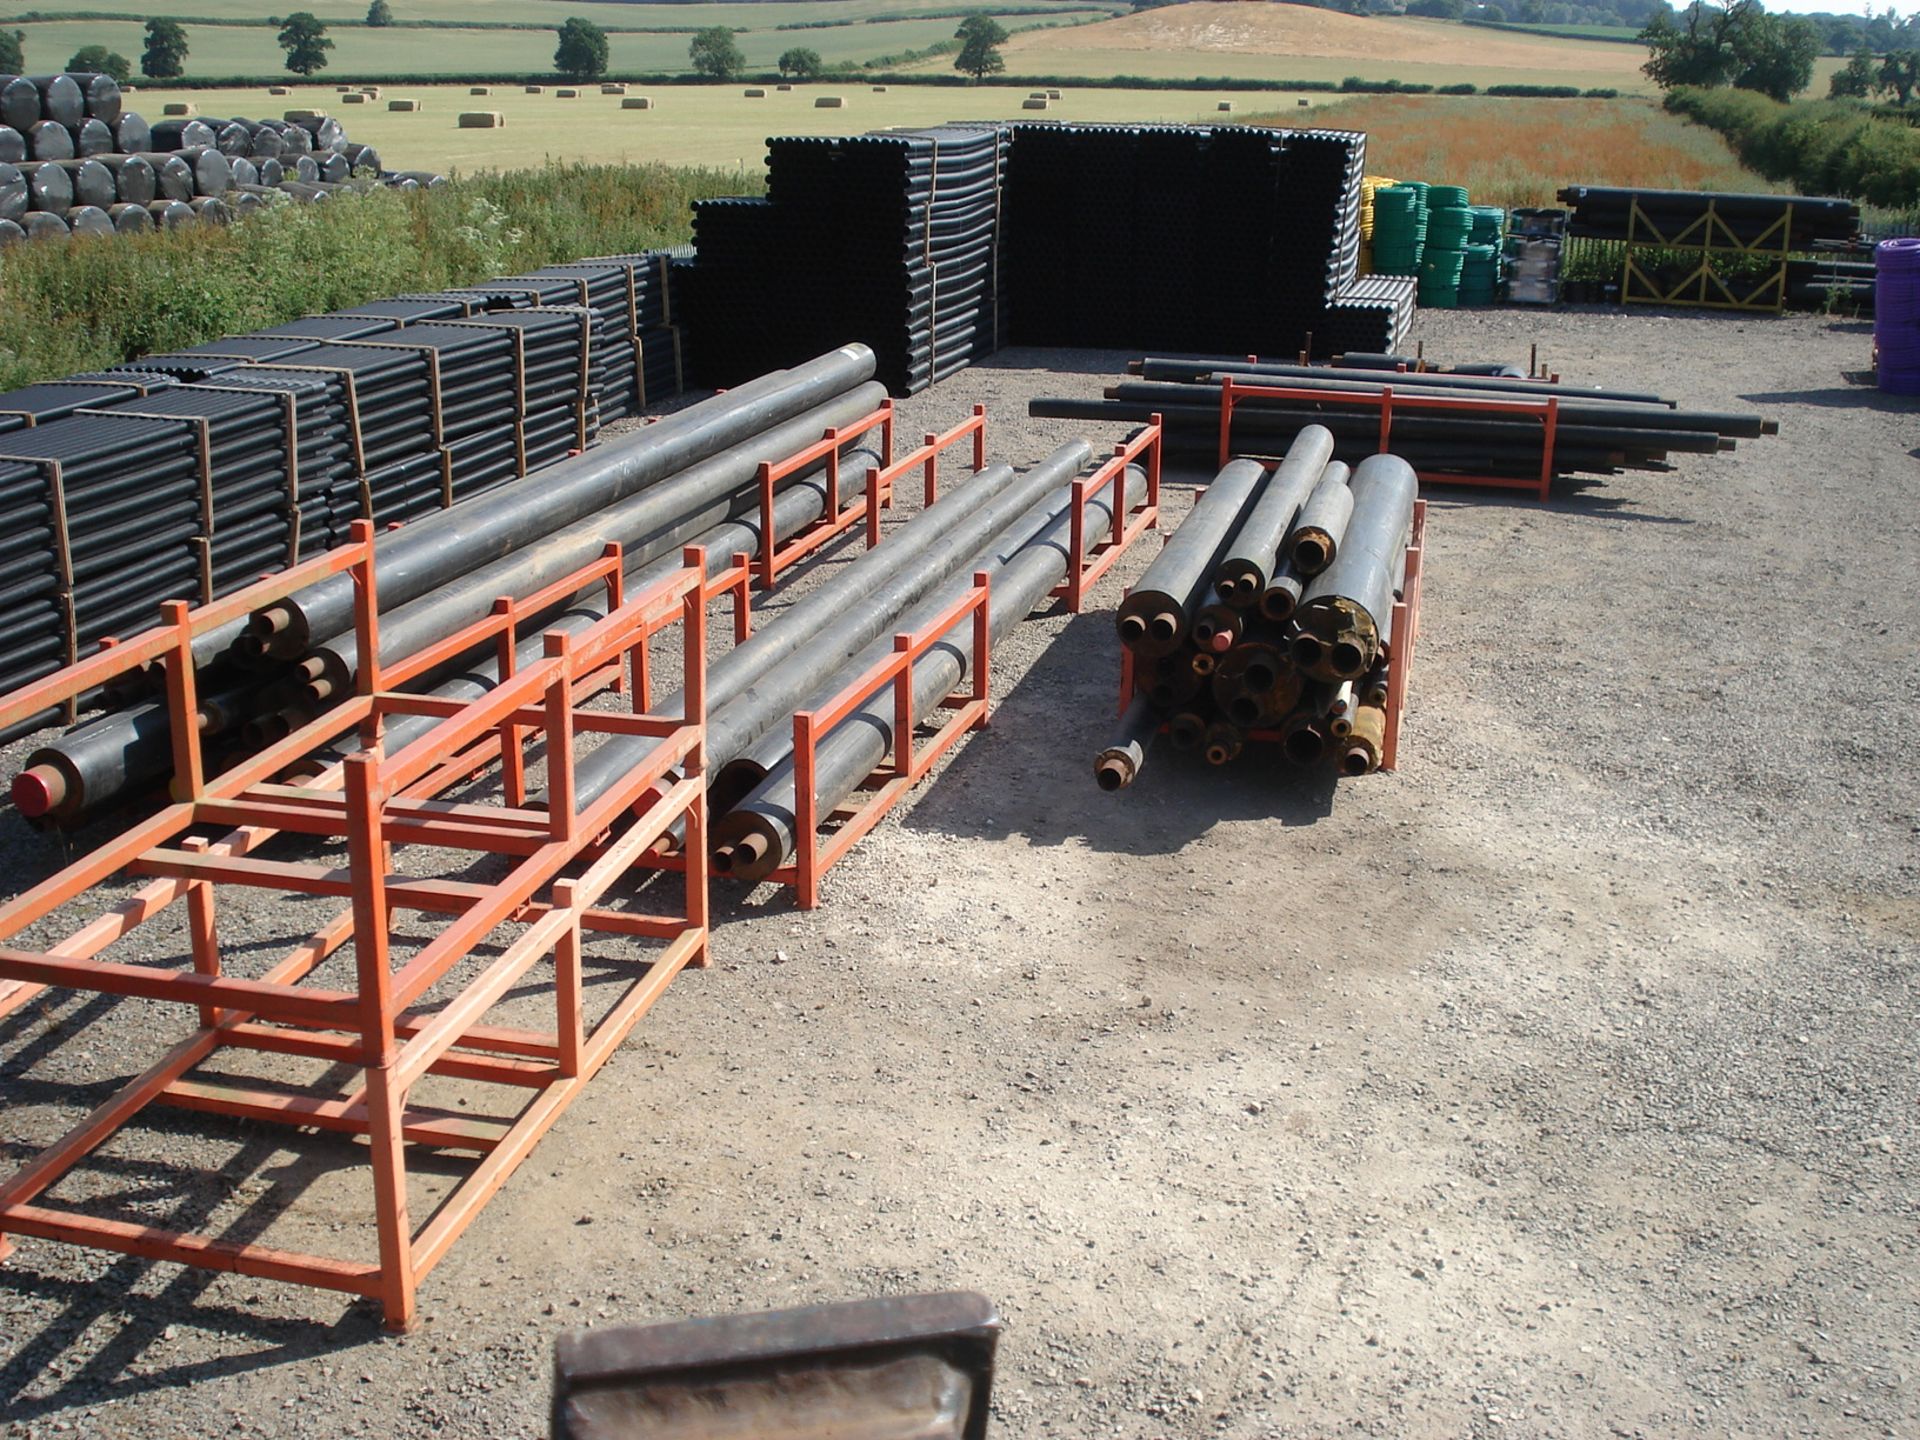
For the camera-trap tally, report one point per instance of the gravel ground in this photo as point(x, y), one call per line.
point(1560, 1084)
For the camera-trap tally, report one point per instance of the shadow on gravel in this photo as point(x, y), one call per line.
point(1586, 504)
point(1848, 397)
point(1030, 773)
point(99, 1339)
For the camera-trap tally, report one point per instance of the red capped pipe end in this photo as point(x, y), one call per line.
point(1220, 642)
point(37, 790)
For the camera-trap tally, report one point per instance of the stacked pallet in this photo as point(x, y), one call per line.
point(891, 238)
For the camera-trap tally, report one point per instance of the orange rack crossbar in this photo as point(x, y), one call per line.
point(834, 519)
point(814, 853)
point(1405, 633)
point(1130, 519)
point(926, 458)
point(398, 1019)
point(1387, 402)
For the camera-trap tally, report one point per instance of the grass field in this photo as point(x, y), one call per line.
point(1297, 42)
point(1519, 152)
point(251, 50)
point(691, 124)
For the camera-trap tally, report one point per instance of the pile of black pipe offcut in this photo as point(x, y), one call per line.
point(1604, 213)
point(1264, 629)
point(891, 238)
point(1600, 432)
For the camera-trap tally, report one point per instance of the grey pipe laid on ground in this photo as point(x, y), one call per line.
point(738, 777)
point(1156, 613)
point(756, 837)
point(414, 559)
point(753, 684)
point(1242, 577)
point(1119, 764)
point(657, 520)
point(1343, 614)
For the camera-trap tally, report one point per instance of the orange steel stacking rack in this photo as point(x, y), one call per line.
point(1085, 565)
point(1388, 402)
point(835, 519)
point(1404, 635)
point(393, 1014)
point(816, 853)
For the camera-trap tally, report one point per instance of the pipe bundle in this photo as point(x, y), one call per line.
point(1267, 619)
point(892, 238)
point(387, 411)
point(1604, 213)
point(74, 161)
point(1598, 432)
point(690, 478)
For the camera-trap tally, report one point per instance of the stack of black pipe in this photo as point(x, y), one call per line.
point(323, 450)
point(1264, 627)
point(1606, 213)
point(1599, 432)
point(891, 238)
point(131, 489)
point(1232, 237)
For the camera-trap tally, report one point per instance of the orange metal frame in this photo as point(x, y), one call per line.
point(1547, 410)
point(926, 458)
point(834, 520)
point(814, 853)
point(1084, 566)
point(562, 859)
point(1406, 632)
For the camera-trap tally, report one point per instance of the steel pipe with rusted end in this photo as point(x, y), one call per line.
point(1361, 747)
point(1154, 617)
point(1241, 578)
point(1315, 538)
point(1345, 612)
point(1118, 766)
point(1224, 743)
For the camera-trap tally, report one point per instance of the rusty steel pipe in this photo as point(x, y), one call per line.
point(1241, 578)
point(1155, 615)
point(1118, 765)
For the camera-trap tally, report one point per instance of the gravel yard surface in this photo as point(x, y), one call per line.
point(1561, 1084)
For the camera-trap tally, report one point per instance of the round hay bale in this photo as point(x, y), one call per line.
point(481, 120)
point(1039, 104)
point(1053, 94)
point(1225, 107)
point(481, 90)
point(372, 92)
point(783, 87)
point(278, 90)
point(756, 94)
point(536, 89)
point(405, 105)
point(879, 89)
point(1303, 103)
point(613, 88)
point(341, 89)
point(1036, 94)
point(566, 94)
point(353, 97)
point(637, 102)
point(179, 107)
point(830, 102)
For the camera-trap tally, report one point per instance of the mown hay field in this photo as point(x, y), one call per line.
point(1519, 152)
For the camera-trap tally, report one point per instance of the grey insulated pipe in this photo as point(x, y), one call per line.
point(651, 523)
point(1155, 615)
point(1242, 577)
point(419, 557)
point(1345, 614)
point(1322, 524)
point(757, 836)
point(753, 685)
point(1119, 765)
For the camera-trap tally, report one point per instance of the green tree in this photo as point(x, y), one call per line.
point(1493, 13)
point(981, 37)
point(1900, 75)
point(1696, 51)
point(1854, 80)
point(379, 14)
point(802, 63)
point(13, 58)
point(1437, 9)
point(716, 54)
point(98, 60)
point(166, 53)
point(1775, 55)
point(582, 52)
point(304, 38)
